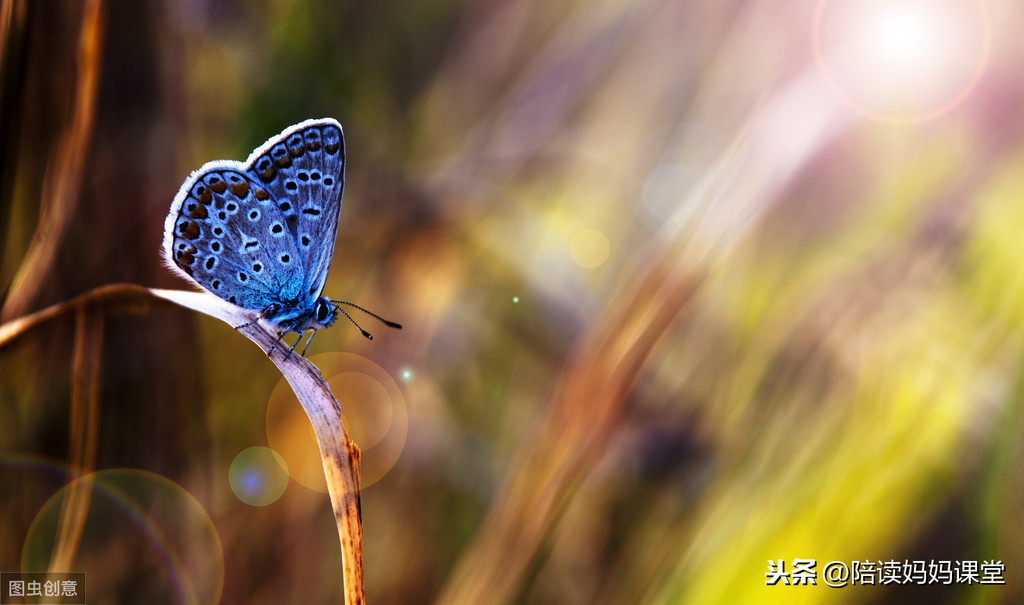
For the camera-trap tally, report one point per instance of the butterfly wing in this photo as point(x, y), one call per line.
point(304, 170)
point(227, 233)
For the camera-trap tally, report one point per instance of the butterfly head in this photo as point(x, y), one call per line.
point(324, 313)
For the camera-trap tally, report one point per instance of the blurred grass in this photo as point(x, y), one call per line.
point(804, 341)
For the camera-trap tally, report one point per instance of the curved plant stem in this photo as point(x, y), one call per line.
point(340, 457)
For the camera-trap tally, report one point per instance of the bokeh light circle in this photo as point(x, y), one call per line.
point(373, 411)
point(589, 248)
point(176, 555)
point(258, 476)
point(668, 169)
point(664, 191)
point(901, 61)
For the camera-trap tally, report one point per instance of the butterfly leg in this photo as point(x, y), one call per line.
point(270, 351)
point(297, 341)
point(308, 340)
point(269, 311)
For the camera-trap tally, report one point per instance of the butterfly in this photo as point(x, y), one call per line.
point(260, 234)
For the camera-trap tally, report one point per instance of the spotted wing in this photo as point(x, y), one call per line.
point(304, 170)
point(227, 233)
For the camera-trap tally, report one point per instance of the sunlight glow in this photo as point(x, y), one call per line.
point(906, 37)
point(902, 59)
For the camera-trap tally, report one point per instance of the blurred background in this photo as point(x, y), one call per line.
point(687, 287)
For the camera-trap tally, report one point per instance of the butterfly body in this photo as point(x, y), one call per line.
point(260, 234)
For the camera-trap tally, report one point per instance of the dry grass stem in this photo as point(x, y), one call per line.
point(340, 457)
point(65, 170)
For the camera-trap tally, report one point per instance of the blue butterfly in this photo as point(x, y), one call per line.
point(260, 234)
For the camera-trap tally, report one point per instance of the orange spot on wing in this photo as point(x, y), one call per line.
point(190, 230)
point(240, 189)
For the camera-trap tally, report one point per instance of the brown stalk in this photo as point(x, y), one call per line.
point(65, 169)
point(85, 374)
point(6, 17)
point(340, 457)
point(585, 410)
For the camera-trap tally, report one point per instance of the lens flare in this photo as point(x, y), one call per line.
point(901, 60)
point(175, 551)
point(258, 476)
point(372, 408)
point(904, 37)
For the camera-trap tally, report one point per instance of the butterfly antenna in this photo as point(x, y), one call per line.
point(358, 327)
point(387, 323)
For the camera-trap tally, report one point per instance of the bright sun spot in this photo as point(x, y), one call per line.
point(902, 59)
point(906, 36)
